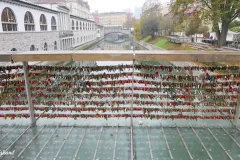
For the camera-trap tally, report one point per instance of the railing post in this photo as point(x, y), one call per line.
point(237, 114)
point(29, 98)
point(131, 121)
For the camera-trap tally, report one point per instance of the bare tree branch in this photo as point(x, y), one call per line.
point(206, 3)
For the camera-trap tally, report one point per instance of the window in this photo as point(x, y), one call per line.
point(77, 25)
point(43, 23)
point(73, 27)
point(73, 41)
point(55, 45)
point(32, 48)
point(29, 22)
point(53, 24)
point(45, 48)
point(83, 26)
point(13, 49)
point(8, 20)
point(78, 40)
point(80, 25)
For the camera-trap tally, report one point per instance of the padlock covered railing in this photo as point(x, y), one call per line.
point(167, 91)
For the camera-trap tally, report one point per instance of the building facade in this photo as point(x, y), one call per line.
point(46, 26)
point(26, 27)
point(79, 8)
point(113, 19)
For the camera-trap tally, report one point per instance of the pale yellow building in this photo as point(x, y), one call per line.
point(113, 19)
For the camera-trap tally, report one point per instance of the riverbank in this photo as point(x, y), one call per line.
point(163, 43)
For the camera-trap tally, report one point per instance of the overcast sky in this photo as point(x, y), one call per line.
point(116, 5)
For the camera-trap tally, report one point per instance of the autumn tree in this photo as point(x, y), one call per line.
point(166, 24)
point(219, 12)
point(150, 17)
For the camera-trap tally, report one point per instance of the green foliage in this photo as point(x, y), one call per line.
point(146, 39)
point(203, 30)
point(166, 24)
point(137, 31)
point(234, 24)
point(235, 29)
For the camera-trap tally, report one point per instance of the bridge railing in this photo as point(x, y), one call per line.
point(176, 90)
point(187, 89)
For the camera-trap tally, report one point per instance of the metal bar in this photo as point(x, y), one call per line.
point(219, 143)
point(185, 145)
point(237, 115)
point(149, 144)
point(63, 143)
point(209, 155)
point(115, 144)
point(131, 121)
point(29, 98)
point(169, 150)
point(46, 143)
point(99, 138)
point(15, 141)
point(30, 142)
point(144, 55)
point(230, 136)
point(8, 133)
point(75, 156)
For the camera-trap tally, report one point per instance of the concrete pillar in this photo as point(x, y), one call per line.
point(237, 115)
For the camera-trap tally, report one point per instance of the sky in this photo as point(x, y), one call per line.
point(117, 5)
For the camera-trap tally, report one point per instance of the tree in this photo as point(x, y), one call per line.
point(137, 31)
point(195, 25)
point(166, 25)
point(150, 17)
point(220, 12)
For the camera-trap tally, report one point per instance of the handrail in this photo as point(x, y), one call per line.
point(117, 55)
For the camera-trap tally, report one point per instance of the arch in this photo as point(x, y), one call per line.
point(76, 25)
point(43, 23)
point(45, 47)
point(14, 49)
point(55, 45)
point(73, 27)
point(29, 22)
point(32, 48)
point(53, 24)
point(8, 19)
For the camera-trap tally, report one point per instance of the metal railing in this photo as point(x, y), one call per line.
point(133, 56)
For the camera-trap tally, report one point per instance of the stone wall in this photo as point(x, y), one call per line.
point(22, 41)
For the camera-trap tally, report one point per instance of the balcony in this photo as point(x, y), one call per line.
point(120, 110)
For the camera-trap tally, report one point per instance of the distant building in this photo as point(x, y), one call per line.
point(113, 19)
